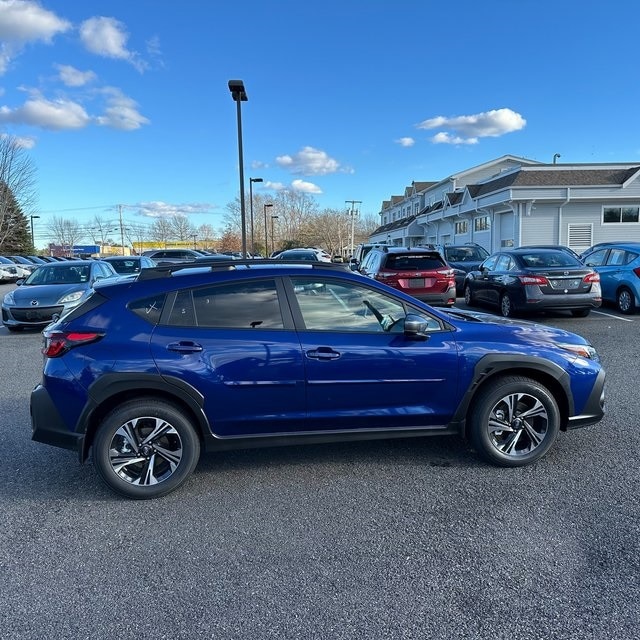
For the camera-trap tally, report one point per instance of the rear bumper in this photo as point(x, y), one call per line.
point(537, 300)
point(47, 425)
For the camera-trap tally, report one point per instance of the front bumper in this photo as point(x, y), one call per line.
point(593, 410)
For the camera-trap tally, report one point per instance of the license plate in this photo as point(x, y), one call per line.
point(416, 283)
point(565, 284)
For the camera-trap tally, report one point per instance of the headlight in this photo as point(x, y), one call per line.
point(8, 298)
point(71, 297)
point(583, 350)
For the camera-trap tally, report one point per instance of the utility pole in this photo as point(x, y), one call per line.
point(121, 228)
point(353, 214)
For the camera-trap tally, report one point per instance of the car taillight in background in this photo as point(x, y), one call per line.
point(637, 271)
point(539, 280)
point(56, 343)
point(592, 277)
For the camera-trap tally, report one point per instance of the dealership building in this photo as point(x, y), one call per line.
point(513, 201)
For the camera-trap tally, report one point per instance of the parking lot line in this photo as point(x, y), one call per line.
point(610, 315)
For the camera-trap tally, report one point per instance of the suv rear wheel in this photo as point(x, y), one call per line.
point(514, 421)
point(145, 449)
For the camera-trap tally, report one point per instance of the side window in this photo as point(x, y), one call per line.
point(597, 258)
point(490, 263)
point(503, 263)
point(326, 305)
point(616, 257)
point(148, 309)
point(182, 314)
point(240, 305)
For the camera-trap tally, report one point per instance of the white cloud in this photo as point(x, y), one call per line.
point(405, 142)
point(22, 142)
point(24, 21)
point(443, 137)
point(47, 114)
point(121, 112)
point(305, 187)
point(107, 37)
point(73, 77)
point(159, 209)
point(258, 164)
point(467, 129)
point(309, 162)
point(275, 186)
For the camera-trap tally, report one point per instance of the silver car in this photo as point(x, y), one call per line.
point(51, 290)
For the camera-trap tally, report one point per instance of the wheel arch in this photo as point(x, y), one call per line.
point(113, 390)
point(546, 373)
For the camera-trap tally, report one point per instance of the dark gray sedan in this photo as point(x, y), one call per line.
point(52, 289)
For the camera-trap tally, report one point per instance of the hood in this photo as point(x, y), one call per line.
point(45, 294)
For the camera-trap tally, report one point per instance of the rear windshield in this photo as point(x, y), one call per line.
point(413, 262)
point(549, 259)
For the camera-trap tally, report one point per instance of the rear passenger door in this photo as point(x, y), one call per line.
point(235, 344)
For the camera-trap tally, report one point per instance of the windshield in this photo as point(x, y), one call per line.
point(465, 254)
point(63, 274)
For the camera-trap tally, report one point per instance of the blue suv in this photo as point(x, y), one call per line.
point(150, 371)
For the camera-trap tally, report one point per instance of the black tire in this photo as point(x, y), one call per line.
point(136, 464)
point(468, 296)
point(506, 306)
point(580, 313)
point(625, 301)
point(513, 421)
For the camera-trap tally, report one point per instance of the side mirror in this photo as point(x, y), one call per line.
point(19, 281)
point(354, 265)
point(415, 327)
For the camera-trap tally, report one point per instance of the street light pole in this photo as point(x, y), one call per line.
point(251, 181)
point(194, 236)
point(33, 240)
point(273, 244)
point(353, 219)
point(239, 95)
point(266, 245)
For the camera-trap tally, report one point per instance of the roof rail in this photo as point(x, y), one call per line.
point(215, 264)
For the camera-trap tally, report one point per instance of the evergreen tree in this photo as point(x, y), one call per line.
point(14, 228)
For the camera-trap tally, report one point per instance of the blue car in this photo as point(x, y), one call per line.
point(53, 289)
point(148, 372)
point(619, 267)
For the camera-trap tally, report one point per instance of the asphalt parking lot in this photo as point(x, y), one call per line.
point(399, 539)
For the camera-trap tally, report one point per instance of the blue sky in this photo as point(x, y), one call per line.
point(126, 101)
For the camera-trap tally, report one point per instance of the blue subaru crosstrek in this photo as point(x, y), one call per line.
point(149, 371)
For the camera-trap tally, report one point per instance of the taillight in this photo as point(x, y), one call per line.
point(637, 271)
point(58, 342)
point(539, 280)
point(382, 275)
point(592, 277)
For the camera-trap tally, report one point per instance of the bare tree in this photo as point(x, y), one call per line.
point(182, 227)
point(206, 236)
point(66, 233)
point(331, 229)
point(100, 228)
point(136, 234)
point(161, 231)
point(17, 191)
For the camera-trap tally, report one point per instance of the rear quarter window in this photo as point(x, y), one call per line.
point(149, 309)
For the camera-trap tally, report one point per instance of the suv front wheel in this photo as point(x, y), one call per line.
point(514, 421)
point(145, 449)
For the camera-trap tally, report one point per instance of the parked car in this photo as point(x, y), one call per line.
point(361, 252)
point(619, 268)
point(126, 265)
point(23, 267)
point(531, 280)
point(51, 290)
point(146, 373)
point(304, 255)
point(11, 271)
point(463, 258)
point(422, 273)
point(161, 256)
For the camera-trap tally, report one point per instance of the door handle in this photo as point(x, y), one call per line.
point(323, 353)
point(184, 347)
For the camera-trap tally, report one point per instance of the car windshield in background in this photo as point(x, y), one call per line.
point(412, 262)
point(465, 254)
point(59, 275)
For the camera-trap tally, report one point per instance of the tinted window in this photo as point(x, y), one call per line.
point(550, 259)
point(331, 306)
point(243, 305)
point(411, 262)
point(597, 258)
point(148, 309)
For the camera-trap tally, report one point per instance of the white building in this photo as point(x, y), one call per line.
point(513, 201)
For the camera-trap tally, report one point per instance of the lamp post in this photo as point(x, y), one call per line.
point(266, 246)
point(353, 214)
point(239, 95)
point(273, 247)
point(194, 236)
point(33, 240)
point(251, 181)
point(555, 157)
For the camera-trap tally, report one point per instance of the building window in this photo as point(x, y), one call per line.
point(461, 228)
point(620, 214)
point(482, 224)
